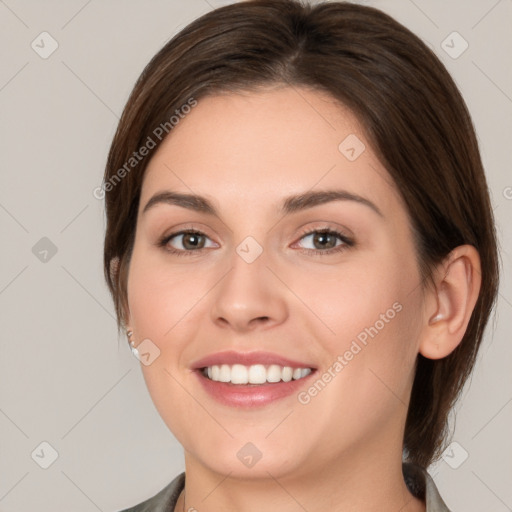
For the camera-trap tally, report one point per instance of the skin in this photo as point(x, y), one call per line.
point(246, 152)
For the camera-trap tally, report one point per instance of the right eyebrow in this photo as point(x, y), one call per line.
point(189, 201)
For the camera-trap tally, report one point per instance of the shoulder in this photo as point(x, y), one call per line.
point(422, 485)
point(164, 500)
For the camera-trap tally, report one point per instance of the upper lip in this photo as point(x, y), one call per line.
point(247, 359)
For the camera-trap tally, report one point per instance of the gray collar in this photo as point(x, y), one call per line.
point(421, 484)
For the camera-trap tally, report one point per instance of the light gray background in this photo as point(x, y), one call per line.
point(65, 377)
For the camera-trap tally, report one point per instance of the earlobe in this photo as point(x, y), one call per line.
point(456, 293)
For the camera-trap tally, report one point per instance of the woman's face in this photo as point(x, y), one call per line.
point(260, 278)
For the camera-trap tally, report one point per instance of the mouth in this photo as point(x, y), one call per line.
point(247, 380)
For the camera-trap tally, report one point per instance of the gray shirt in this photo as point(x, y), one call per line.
point(418, 481)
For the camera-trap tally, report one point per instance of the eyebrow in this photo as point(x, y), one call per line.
point(289, 205)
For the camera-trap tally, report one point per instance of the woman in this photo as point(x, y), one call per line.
point(301, 249)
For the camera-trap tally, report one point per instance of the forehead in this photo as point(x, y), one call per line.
point(257, 147)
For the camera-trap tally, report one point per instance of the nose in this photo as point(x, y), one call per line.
point(249, 296)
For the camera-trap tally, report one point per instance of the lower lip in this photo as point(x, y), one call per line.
point(250, 395)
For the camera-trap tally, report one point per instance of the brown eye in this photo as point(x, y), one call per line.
point(191, 242)
point(326, 239)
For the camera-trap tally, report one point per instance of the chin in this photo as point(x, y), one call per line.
point(251, 460)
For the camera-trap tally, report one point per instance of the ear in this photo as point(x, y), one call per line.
point(458, 280)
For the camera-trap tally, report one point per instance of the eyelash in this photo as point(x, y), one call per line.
point(347, 242)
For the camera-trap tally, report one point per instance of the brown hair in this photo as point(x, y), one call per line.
point(415, 119)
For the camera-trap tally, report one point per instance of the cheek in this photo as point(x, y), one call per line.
point(367, 313)
point(161, 296)
point(162, 301)
point(351, 301)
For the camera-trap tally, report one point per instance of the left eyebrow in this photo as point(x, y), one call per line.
point(290, 204)
point(313, 198)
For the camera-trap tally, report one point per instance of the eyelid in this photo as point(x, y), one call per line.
point(325, 226)
point(187, 227)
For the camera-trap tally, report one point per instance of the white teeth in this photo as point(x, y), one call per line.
point(304, 372)
point(254, 374)
point(257, 374)
point(287, 374)
point(239, 374)
point(274, 373)
point(225, 373)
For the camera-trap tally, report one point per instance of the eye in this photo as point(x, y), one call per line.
point(325, 241)
point(191, 241)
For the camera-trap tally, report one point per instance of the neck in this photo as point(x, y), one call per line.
point(361, 473)
point(376, 486)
